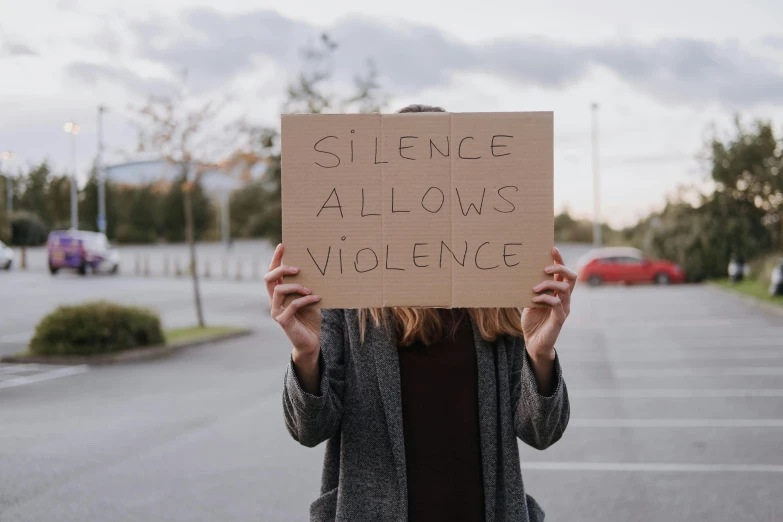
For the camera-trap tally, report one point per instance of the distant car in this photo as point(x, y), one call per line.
point(6, 257)
point(81, 251)
point(626, 265)
point(776, 279)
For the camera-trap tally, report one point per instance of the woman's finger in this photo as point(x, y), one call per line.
point(561, 287)
point(277, 258)
point(289, 312)
point(275, 277)
point(277, 273)
point(565, 272)
point(557, 256)
point(548, 300)
point(281, 291)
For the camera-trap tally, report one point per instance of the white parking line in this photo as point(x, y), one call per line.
point(44, 376)
point(731, 371)
point(14, 368)
point(675, 393)
point(651, 467)
point(716, 354)
point(676, 423)
point(637, 344)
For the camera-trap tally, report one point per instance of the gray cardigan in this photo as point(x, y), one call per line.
point(358, 412)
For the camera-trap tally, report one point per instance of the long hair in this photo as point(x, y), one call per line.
point(424, 324)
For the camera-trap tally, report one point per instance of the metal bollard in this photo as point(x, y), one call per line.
point(146, 266)
point(177, 269)
point(166, 266)
point(207, 274)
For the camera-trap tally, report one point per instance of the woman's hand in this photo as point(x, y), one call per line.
point(302, 324)
point(542, 324)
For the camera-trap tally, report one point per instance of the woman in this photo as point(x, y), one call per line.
point(421, 408)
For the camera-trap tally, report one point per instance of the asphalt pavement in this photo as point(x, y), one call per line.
point(676, 396)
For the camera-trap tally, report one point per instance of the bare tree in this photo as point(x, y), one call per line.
point(180, 131)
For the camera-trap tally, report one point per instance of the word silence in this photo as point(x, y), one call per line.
point(429, 209)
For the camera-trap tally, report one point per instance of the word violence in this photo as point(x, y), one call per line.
point(485, 256)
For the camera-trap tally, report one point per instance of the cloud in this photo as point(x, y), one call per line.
point(91, 73)
point(775, 41)
point(16, 49)
point(215, 47)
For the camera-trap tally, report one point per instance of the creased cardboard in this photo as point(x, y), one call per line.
point(430, 209)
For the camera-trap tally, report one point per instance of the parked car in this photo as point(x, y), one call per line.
point(626, 265)
point(81, 251)
point(776, 279)
point(6, 257)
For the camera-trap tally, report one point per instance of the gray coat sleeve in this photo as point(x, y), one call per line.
point(312, 419)
point(539, 420)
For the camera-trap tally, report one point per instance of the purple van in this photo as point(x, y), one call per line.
point(81, 251)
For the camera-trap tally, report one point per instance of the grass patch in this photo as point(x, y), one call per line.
point(753, 288)
point(180, 335)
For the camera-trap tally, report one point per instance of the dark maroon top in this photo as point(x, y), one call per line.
point(439, 386)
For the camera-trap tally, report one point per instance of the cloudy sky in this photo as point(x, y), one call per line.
point(662, 72)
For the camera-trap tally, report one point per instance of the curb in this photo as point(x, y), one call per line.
point(753, 301)
point(126, 356)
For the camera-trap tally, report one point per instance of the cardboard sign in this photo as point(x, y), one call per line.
point(429, 209)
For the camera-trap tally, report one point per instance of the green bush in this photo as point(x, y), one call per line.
point(96, 328)
point(761, 267)
point(27, 229)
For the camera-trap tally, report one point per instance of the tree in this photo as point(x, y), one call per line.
point(34, 197)
point(172, 212)
point(260, 203)
point(748, 167)
point(58, 202)
point(369, 97)
point(178, 128)
point(140, 217)
point(5, 221)
point(702, 239)
point(27, 229)
point(88, 206)
point(306, 94)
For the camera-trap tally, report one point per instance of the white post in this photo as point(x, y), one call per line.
point(596, 183)
point(225, 223)
point(73, 129)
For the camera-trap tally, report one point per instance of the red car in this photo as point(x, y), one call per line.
point(626, 265)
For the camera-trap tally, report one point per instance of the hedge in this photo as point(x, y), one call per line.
point(96, 328)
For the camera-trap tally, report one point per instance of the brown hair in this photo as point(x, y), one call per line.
point(424, 324)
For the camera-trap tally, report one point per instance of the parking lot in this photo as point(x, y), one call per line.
point(676, 394)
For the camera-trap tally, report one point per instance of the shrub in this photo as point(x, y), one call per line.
point(27, 229)
point(95, 328)
point(761, 267)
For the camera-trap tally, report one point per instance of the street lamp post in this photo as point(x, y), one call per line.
point(596, 183)
point(7, 156)
point(101, 172)
point(73, 129)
